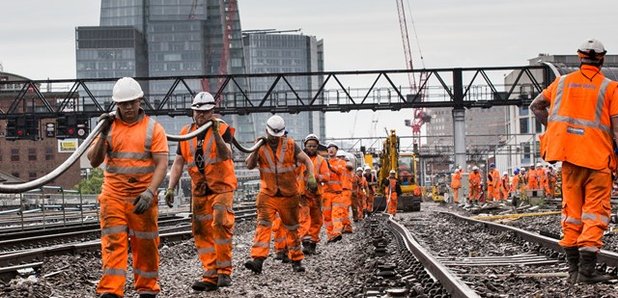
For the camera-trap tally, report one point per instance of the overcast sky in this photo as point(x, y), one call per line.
point(37, 38)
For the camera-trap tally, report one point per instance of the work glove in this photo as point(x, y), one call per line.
point(143, 202)
point(169, 197)
point(312, 184)
point(108, 118)
point(215, 125)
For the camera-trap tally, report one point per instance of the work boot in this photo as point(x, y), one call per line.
point(587, 272)
point(335, 239)
point(297, 266)
point(572, 257)
point(202, 286)
point(255, 265)
point(312, 248)
point(224, 280)
point(307, 247)
point(147, 295)
point(109, 295)
point(282, 256)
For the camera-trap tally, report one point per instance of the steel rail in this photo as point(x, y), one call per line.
point(609, 258)
point(455, 286)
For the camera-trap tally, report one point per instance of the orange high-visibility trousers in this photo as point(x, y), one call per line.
point(213, 226)
point(586, 206)
point(392, 204)
point(329, 200)
point(310, 217)
point(369, 202)
point(119, 225)
point(456, 195)
point(267, 207)
point(342, 214)
point(281, 237)
point(357, 205)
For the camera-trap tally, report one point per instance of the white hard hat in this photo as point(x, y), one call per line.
point(367, 168)
point(392, 172)
point(340, 153)
point(331, 144)
point(310, 137)
point(475, 168)
point(505, 173)
point(592, 47)
point(275, 126)
point(538, 164)
point(203, 101)
point(126, 89)
point(359, 169)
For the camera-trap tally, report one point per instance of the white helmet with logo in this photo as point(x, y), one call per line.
point(126, 89)
point(310, 137)
point(275, 126)
point(203, 101)
point(591, 51)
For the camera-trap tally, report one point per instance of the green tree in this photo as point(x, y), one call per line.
point(91, 184)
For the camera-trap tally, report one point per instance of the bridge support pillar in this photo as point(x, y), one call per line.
point(459, 137)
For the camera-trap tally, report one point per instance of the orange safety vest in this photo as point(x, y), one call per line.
point(218, 174)
point(515, 183)
point(505, 183)
point(495, 178)
point(337, 169)
point(475, 179)
point(277, 171)
point(129, 165)
point(392, 186)
point(360, 183)
point(347, 179)
point(579, 125)
point(456, 181)
point(320, 171)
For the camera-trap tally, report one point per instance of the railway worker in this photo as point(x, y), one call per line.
point(493, 183)
point(134, 149)
point(341, 211)
point(372, 183)
point(276, 160)
point(581, 122)
point(542, 175)
point(208, 157)
point(456, 185)
point(475, 185)
point(550, 187)
point(359, 191)
point(332, 196)
point(505, 186)
point(310, 215)
point(516, 183)
point(392, 191)
point(532, 178)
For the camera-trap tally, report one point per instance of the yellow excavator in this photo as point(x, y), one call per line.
point(405, 164)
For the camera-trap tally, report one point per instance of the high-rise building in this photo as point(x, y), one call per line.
point(160, 38)
point(274, 52)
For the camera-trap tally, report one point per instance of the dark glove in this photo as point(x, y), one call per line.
point(312, 184)
point(169, 197)
point(143, 202)
point(108, 118)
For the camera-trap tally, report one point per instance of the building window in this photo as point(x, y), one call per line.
point(49, 153)
point(523, 111)
point(31, 153)
point(14, 155)
point(523, 125)
point(32, 175)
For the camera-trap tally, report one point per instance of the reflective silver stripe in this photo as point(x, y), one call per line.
point(131, 155)
point(219, 207)
point(274, 167)
point(130, 170)
point(223, 241)
point(277, 170)
point(589, 248)
point(149, 134)
point(210, 272)
point(144, 235)
point(337, 219)
point(596, 123)
point(203, 217)
point(261, 244)
point(114, 230)
point(265, 223)
point(339, 204)
point(306, 238)
point(571, 220)
point(280, 239)
point(206, 250)
point(594, 216)
point(333, 182)
point(326, 209)
point(147, 292)
point(208, 148)
point(146, 274)
point(114, 271)
point(292, 228)
point(294, 248)
point(223, 264)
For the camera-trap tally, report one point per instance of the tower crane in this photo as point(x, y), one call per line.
point(420, 116)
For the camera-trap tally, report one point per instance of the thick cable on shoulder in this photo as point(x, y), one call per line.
point(192, 134)
point(251, 149)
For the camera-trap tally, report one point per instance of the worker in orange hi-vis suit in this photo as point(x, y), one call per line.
point(582, 122)
point(311, 202)
point(134, 149)
point(505, 186)
point(456, 185)
point(532, 177)
point(332, 197)
point(208, 157)
point(372, 183)
point(392, 192)
point(359, 192)
point(550, 186)
point(474, 180)
point(493, 183)
point(341, 211)
point(276, 159)
point(516, 183)
point(541, 175)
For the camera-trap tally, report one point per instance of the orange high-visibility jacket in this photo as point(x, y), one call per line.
point(456, 180)
point(515, 183)
point(347, 179)
point(277, 175)
point(129, 166)
point(579, 125)
point(337, 169)
point(320, 171)
point(475, 179)
point(533, 179)
point(218, 174)
point(495, 179)
point(360, 183)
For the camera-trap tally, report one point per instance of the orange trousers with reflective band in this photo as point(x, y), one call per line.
point(345, 215)
point(213, 226)
point(456, 195)
point(333, 227)
point(280, 234)
point(340, 211)
point(310, 217)
point(267, 208)
point(369, 202)
point(586, 206)
point(119, 226)
point(392, 204)
point(358, 203)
